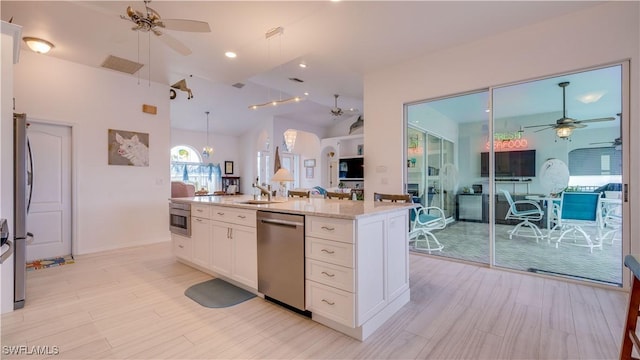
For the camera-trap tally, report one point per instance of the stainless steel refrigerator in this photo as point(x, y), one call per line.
point(22, 185)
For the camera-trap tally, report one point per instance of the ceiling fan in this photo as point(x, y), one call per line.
point(616, 143)
point(150, 21)
point(336, 111)
point(564, 126)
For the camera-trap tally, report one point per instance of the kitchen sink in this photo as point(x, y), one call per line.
point(260, 201)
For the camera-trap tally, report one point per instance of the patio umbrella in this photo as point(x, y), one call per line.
point(276, 162)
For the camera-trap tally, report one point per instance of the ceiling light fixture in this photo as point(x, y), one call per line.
point(290, 139)
point(207, 150)
point(230, 54)
point(268, 35)
point(38, 45)
point(591, 97)
point(303, 65)
point(564, 132)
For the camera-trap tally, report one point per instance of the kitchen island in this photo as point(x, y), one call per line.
point(356, 254)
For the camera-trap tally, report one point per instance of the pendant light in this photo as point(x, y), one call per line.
point(290, 139)
point(207, 150)
point(280, 101)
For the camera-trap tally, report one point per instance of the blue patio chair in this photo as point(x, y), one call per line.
point(526, 211)
point(580, 210)
point(424, 220)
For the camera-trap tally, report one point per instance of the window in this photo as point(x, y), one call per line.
point(591, 168)
point(187, 166)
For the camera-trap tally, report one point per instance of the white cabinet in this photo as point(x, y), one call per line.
point(244, 262)
point(182, 247)
point(200, 235)
point(234, 251)
point(221, 248)
point(356, 270)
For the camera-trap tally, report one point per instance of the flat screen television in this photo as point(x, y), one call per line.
point(510, 164)
point(351, 168)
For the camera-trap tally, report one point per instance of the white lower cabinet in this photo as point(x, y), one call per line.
point(201, 238)
point(234, 250)
point(355, 268)
point(182, 247)
point(221, 248)
point(244, 264)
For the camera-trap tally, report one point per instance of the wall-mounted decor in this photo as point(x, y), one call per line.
point(128, 148)
point(309, 173)
point(310, 163)
point(228, 167)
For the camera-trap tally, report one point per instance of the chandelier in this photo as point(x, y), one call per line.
point(207, 150)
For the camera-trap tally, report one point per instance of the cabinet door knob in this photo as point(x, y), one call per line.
point(181, 246)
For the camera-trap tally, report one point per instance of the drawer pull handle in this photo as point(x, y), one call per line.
point(199, 210)
point(181, 246)
point(327, 274)
point(328, 228)
point(328, 302)
point(328, 251)
point(242, 216)
point(220, 213)
point(198, 220)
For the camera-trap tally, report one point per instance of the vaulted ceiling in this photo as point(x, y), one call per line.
point(338, 41)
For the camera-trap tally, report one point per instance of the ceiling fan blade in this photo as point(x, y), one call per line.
point(603, 142)
point(578, 126)
point(173, 43)
point(548, 127)
point(533, 126)
point(184, 25)
point(596, 120)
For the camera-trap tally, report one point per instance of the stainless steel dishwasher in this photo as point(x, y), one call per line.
point(281, 258)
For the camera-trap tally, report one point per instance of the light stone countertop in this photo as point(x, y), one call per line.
point(334, 208)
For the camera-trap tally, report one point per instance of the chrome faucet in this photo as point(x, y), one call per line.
point(263, 190)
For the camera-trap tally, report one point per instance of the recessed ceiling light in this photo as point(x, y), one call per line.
point(306, 93)
point(487, 110)
point(302, 65)
point(230, 54)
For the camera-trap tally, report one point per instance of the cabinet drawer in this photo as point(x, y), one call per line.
point(333, 275)
point(331, 303)
point(329, 228)
point(234, 216)
point(200, 210)
point(333, 252)
point(182, 247)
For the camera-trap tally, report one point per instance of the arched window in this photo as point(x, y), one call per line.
point(187, 166)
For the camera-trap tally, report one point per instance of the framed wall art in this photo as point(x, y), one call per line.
point(128, 148)
point(228, 167)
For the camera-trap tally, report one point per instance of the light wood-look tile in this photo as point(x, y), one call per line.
point(130, 303)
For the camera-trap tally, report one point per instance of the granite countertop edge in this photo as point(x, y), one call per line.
point(332, 208)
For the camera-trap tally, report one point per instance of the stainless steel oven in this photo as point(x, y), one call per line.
point(180, 218)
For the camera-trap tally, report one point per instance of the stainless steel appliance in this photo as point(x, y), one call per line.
point(22, 187)
point(281, 257)
point(180, 218)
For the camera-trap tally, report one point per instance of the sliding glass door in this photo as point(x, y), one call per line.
point(563, 171)
point(532, 183)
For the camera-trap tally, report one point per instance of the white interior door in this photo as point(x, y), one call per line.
point(49, 217)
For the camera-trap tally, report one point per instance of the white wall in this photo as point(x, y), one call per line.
point(562, 44)
point(226, 148)
point(115, 206)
